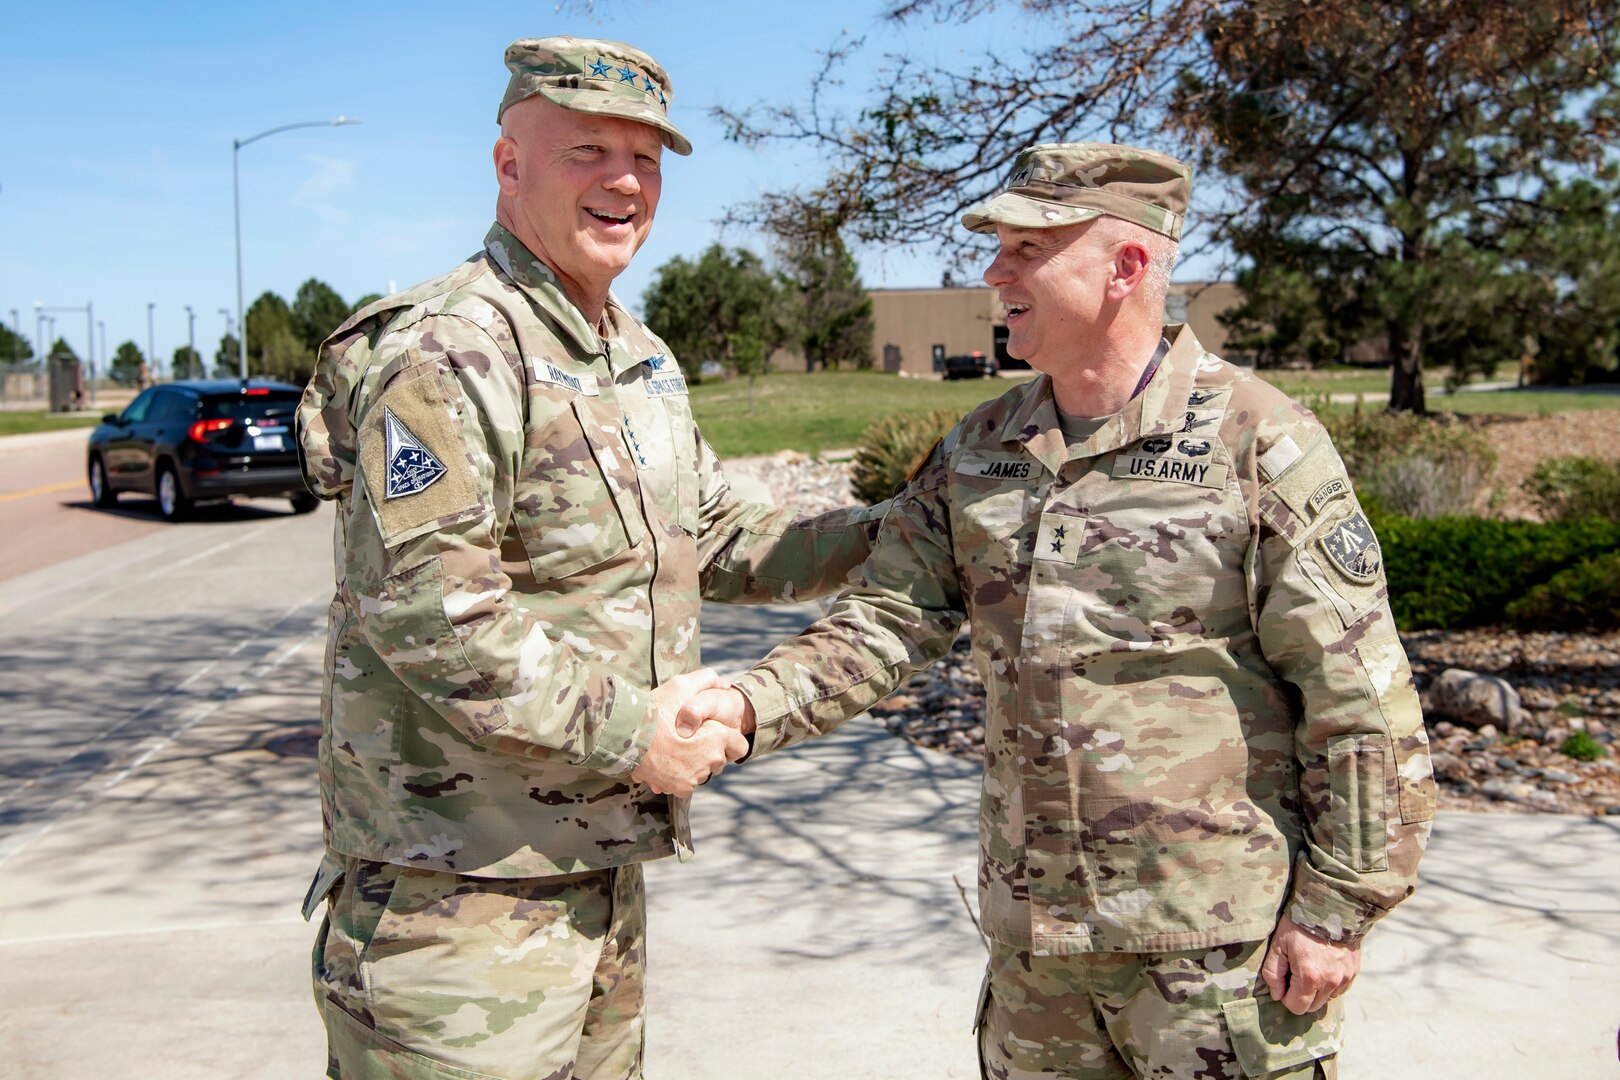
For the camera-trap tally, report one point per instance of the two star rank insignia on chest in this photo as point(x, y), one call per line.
point(411, 466)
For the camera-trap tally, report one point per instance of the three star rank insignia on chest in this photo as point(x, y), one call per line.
point(411, 466)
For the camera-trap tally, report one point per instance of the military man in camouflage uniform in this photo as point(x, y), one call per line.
point(1206, 774)
point(527, 521)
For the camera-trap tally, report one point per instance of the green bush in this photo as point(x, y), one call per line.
point(1571, 488)
point(1582, 747)
point(1452, 572)
point(1415, 466)
point(889, 449)
point(1585, 595)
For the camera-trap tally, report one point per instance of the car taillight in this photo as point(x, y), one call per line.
point(199, 430)
point(255, 391)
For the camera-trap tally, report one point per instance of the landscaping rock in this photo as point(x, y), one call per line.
point(1477, 700)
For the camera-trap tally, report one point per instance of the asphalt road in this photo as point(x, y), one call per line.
point(119, 631)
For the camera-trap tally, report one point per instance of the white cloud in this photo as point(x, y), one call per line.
point(331, 176)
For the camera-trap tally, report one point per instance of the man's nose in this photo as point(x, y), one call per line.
point(622, 178)
point(996, 275)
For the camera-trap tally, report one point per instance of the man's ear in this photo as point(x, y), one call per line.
point(1131, 263)
point(506, 164)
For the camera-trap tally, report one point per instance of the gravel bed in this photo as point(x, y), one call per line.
point(1567, 682)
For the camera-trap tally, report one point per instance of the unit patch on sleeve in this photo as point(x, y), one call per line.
point(411, 466)
point(415, 459)
point(1353, 549)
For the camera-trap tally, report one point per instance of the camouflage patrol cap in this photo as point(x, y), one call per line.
point(1066, 183)
point(608, 78)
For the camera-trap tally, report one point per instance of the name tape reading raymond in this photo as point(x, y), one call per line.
point(551, 373)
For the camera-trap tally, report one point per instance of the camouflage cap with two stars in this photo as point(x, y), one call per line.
point(608, 78)
point(1066, 183)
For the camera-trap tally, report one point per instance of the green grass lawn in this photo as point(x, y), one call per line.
point(1373, 382)
point(24, 421)
point(824, 411)
point(830, 409)
point(1532, 402)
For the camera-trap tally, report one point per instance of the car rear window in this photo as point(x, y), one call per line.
point(277, 403)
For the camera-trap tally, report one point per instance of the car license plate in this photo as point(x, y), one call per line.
point(267, 442)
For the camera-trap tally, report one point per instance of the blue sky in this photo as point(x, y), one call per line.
point(117, 119)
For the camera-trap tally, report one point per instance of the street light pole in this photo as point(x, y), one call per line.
point(151, 353)
point(230, 331)
point(191, 339)
point(236, 198)
point(90, 347)
point(16, 350)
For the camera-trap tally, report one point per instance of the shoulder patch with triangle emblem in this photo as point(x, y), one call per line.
point(411, 466)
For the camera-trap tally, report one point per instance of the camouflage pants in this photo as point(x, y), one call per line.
point(1204, 1014)
point(422, 975)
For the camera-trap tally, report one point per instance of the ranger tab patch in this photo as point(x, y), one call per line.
point(1353, 549)
point(411, 466)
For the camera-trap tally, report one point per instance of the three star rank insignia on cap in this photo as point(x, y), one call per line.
point(411, 466)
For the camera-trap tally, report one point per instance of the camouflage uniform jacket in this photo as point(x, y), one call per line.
point(1198, 709)
point(527, 520)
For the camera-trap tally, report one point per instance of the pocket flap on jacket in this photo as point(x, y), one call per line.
point(1267, 1037)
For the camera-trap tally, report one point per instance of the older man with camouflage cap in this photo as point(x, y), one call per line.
point(527, 520)
point(1206, 773)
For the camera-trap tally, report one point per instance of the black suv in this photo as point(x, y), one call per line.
point(191, 442)
point(973, 365)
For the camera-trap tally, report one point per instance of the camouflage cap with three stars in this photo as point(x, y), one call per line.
point(608, 78)
point(1066, 183)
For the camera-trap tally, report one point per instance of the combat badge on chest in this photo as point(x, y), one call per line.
point(1186, 457)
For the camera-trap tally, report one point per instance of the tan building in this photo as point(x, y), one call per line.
point(1197, 303)
point(913, 330)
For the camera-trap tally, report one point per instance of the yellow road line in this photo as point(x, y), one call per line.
point(48, 489)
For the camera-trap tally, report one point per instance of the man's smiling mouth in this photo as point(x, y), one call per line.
point(611, 219)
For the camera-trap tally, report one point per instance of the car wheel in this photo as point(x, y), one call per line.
point(303, 502)
point(101, 493)
point(173, 502)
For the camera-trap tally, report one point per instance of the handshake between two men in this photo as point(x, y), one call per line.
point(700, 725)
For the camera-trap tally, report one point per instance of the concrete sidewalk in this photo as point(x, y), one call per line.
point(818, 934)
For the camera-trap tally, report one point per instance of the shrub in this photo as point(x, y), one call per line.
point(1571, 488)
point(1582, 747)
point(1585, 595)
point(1415, 466)
point(892, 447)
point(1451, 572)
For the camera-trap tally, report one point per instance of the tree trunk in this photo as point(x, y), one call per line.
point(1406, 367)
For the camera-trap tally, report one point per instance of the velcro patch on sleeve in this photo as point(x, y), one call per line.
point(1314, 480)
point(413, 460)
point(1276, 461)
